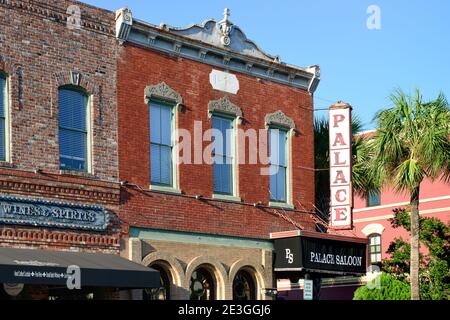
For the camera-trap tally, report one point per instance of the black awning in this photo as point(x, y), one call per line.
point(51, 268)
point(300, 252)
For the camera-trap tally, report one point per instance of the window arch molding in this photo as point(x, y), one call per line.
point(372, 229)
point(76, 79)
point(224, 106)
point(279, 119)
point(162, 91)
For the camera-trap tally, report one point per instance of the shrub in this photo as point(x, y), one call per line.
point(389, 289)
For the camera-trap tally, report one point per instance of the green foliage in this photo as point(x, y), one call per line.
point(390, 289)
point(411, 142)
point(434, 271)
point(435, 280)
point(434, 234)
point(399, 262)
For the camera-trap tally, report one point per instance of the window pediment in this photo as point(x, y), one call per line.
point(278, 118)
point(224, 106)
point(162, 91)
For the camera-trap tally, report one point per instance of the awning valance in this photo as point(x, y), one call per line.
point(298, 252)
point(47, 267)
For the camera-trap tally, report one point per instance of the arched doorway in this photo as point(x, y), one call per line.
point(163, 292)
point(244, 287)
point(202, 285)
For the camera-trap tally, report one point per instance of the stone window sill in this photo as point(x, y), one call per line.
point(162, 189)
point(6, 164)
point(224, 197)
point(82, 174)
point(281, 205)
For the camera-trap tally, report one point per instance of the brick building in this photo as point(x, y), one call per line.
point(205, 226)
point(59, 180)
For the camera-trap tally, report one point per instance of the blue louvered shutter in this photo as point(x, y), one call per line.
point(223, 157)
point(278, 177)
point(72, 108)
point(161, 145)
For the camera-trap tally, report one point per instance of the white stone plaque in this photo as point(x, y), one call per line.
point(224, 81)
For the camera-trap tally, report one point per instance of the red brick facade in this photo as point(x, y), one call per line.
point(138, 68)
point(38, 52)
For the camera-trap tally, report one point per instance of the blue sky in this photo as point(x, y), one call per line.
point(359, 66)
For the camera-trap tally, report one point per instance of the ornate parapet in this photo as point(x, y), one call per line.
point(217, 43)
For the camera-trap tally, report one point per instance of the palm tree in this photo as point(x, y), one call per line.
point(362, 182)
point(411, 144)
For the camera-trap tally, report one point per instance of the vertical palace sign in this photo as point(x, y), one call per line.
point(341, 166)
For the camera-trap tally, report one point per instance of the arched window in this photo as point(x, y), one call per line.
point(163, 292)
point(244, 286)
point(3, 117)
point(375, 248)
point(73, 129)
point(202, 285)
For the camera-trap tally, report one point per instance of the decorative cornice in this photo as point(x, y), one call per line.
point(124, 21)
point(162, 91)
point(58, 238)
point(59, 14)
point(77, 192)
point(278, 118)
point(224, 105)
point(208, 43)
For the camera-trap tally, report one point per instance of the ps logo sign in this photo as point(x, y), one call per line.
point(289, 256)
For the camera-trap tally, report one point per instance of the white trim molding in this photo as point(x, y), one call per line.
point(373, 228)
point(400, 204)
point(389, 216)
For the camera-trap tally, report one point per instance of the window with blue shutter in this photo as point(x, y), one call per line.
point(223, 155)
point(279, 164)
point(161, 144)
point(3, 96)
point(73, 129)
point(373, 199)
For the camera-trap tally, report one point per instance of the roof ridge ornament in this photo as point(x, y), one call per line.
point(226, 27)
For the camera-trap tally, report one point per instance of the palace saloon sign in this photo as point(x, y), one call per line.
point(320, 253)
point(37, 212)
point(341, 166)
